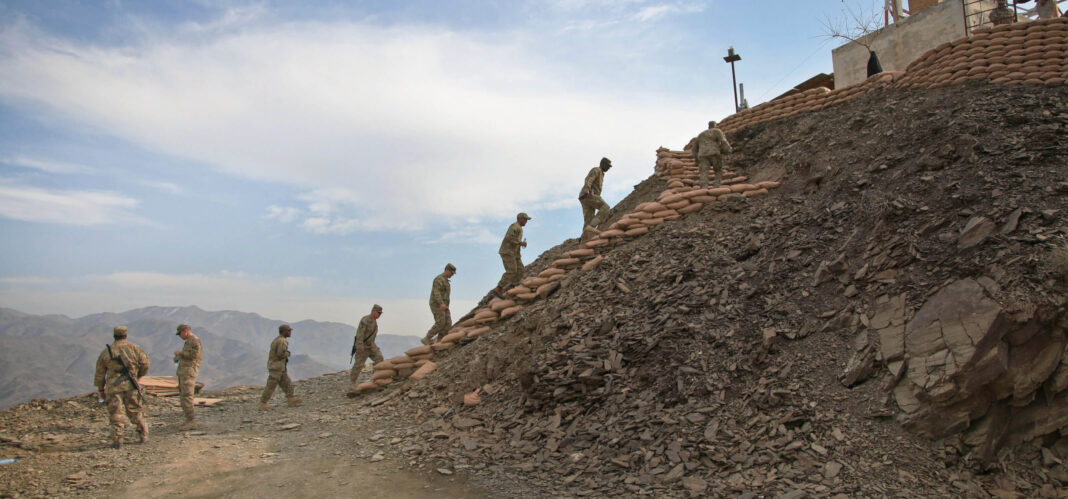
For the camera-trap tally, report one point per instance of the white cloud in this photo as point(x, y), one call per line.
point(469, 234)
point(24, 280)
point(292, 298)
point(656, 11)
point(381, 128)
point(69, 207)
point(47, 165)
point(168, 187)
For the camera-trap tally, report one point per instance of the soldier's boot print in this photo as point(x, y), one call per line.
point(293, 401)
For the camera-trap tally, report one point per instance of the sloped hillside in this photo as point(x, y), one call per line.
point(710, 354)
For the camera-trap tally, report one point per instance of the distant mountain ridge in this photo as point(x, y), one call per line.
point(54, 356)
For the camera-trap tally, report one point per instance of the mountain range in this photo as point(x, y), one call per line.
point(54, 356)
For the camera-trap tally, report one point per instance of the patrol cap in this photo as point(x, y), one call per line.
point(182, 327)
point(523, 214)
point(606, 162)
point(712, 124)
point(376, 308)
point(449, 266)
point(284, 327)
point(119, 331)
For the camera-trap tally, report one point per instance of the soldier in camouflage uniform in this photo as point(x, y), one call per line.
point(277, 375)
point(118, 389)
point(363, 345)
point(509, 251)
point(591, 200)
point(439, 304)
point(188, 360)
point(709, 148)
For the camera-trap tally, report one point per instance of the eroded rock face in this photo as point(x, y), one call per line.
point(963, 363)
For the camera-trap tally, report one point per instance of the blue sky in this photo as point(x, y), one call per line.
point(303, 160)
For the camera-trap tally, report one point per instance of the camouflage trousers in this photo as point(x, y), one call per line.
point(442, 323)
point(594, 203)
point(187, 386)
point(128, 401)
point(361, 358)
point(513, 268)
point(716, 162)
point(274, 380)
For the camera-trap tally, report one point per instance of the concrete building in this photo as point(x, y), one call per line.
point(930, 24)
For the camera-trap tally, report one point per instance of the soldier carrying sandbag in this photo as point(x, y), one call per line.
point(277, 369)
point(591, 200)
point(118, 369)
point(188, 359)
point(363, 346)
point(439, 304)
point(709, 148)
point(509, 251)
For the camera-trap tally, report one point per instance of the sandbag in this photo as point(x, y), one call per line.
point(400, 359)
point(383, 381)
point(439, 346)
point(401, 367)
point(510, 311)
point(547, 273)
point(637, 231)
point(485, 320)
point(755, 193)
point(421, 350)
point(678, 204)
point(640, 215)
point(367, 387)
point(652, 222)
point(454, 337)
point(673, 198)
point(579, 253)
point(383, 373)
point(472, 399)
point(475, 333)
point(743, 187)
point(467, 323)
point(611, 233)
point(694, 192)
point(593, 243)
point(556, 278)
point(691, 208)
point(497, 304)
point(484, 313)
point(516, 290)
point(652, 207)
point(545, 289)
point(419, 363)
point(428, 356)
point(768, 184)
point(594, 262)
point(703, 199)
point(528, 296)
point(719, 191)
point(385, 364)
point(423, 371)
point(533, 282)
point(665, 213)
point(567, 262)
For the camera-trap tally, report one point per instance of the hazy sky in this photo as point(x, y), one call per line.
point(303, 160)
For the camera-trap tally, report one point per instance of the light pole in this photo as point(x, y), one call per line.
point(731, 57)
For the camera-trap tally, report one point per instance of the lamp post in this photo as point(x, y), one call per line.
point(731, 57)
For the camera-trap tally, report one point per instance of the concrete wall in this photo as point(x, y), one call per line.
point(900, 43)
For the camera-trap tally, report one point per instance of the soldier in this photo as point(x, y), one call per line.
point(117, 368)
point(513, 264)
point(277, 375)
point(590, 198)
point(188, 360)
point(439, 304)
point(709, 148)
point(364, 344)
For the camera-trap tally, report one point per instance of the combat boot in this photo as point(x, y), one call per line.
point(264, 406)
point(144, 439)
point(117, 444)
point(293, 401)
point(189, 424)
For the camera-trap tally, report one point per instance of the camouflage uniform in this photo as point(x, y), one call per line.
point(188, 367)
point(591, 200)
point(513, 264)
point(439, 295)
point(118, 389)
point(365, 345)
point(277, 360)
point(708, 149)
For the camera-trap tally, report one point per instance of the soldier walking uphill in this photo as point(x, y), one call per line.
point(709, 148)
point(363, 345)
point(188, 360)
point(439, 304)
point(277, 375)
point(591, 200)
point(118, 370)
point(513, 264)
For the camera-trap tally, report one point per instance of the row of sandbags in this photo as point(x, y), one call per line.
point(163, 386)
point(415, 364)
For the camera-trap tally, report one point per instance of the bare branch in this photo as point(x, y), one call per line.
point(853, 25)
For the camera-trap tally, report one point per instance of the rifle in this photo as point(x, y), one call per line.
point(352, 355)
point(125, 371)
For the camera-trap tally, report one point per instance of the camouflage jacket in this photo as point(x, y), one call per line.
point(439, 292)
point(366, 332)
point(107, 368)
point(512, 238)
point(594, 181)
point(711, 142)
point(190, 356)
point(278, 356)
